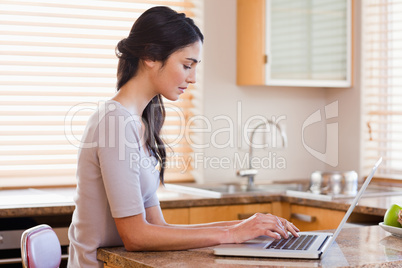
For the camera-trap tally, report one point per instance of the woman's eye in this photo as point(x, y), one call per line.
point(187, 67)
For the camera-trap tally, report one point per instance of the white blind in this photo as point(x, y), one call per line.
point(308, 39)
point(382, 85)
point(57, 65)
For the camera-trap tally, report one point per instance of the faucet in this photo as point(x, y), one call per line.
point(251, 172)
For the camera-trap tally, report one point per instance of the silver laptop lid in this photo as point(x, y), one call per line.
point(353, 205)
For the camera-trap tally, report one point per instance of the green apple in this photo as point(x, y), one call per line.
point(393, 216)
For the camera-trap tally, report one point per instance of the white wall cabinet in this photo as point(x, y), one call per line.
point(294, 43)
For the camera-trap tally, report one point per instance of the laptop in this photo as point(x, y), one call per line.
point(309, 245)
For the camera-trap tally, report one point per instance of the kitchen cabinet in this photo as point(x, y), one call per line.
point(206, 214)
point(176, 215)
point(294, 43)
point(308, 218)
point(226, 213)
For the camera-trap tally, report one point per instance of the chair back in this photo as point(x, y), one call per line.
point(40, 247)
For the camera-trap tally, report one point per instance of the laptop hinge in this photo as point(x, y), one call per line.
point(325, 241)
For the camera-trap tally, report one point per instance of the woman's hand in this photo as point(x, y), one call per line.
point(262, 224)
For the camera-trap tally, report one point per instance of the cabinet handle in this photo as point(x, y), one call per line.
point(302, 217)
point(243, 216)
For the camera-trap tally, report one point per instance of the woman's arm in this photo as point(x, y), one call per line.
point(146, 233)
point(140, 235)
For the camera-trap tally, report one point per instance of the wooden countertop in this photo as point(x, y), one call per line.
point(355, 247)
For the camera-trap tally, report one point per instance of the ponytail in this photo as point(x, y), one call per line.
point(155, 35)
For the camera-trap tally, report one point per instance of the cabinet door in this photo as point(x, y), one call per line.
point(250, 42)
point(176, 215)
point(312, 218)
point(294, 43)
point(226, 213)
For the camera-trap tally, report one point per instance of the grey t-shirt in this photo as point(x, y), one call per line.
point(115, 178)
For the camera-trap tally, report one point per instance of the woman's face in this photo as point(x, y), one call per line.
point(173, 78)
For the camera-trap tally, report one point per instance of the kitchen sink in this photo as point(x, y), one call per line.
point(227, 189)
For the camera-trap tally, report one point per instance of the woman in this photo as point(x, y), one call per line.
point(116, 200)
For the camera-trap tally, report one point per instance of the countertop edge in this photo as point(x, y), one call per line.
point(114, 256)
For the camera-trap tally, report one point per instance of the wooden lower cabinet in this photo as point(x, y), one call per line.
point(306, 218)
point(206, 214)
point(226, 213)
point(176, 215)
point(311, 218)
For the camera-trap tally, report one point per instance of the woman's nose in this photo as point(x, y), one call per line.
point(191, 78)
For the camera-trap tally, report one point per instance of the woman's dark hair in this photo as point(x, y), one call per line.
point(155, 35)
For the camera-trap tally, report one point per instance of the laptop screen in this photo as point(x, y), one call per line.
point(354, 203)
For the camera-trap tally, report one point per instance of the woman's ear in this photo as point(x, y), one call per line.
point(149, 63)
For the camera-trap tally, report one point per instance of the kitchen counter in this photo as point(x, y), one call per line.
point(355, 247)
point(372, 205)
point(55, 207)
point(38, 202)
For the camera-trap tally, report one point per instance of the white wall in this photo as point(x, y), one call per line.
point(221, 97)
point(350, 124)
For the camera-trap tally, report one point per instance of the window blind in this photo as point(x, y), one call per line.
point(57, 66)
point(382, 86)
point(308, 39)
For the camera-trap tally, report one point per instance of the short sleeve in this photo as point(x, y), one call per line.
point(118, 144)
point(152, 201)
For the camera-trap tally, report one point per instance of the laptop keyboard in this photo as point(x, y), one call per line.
point(303, 242)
